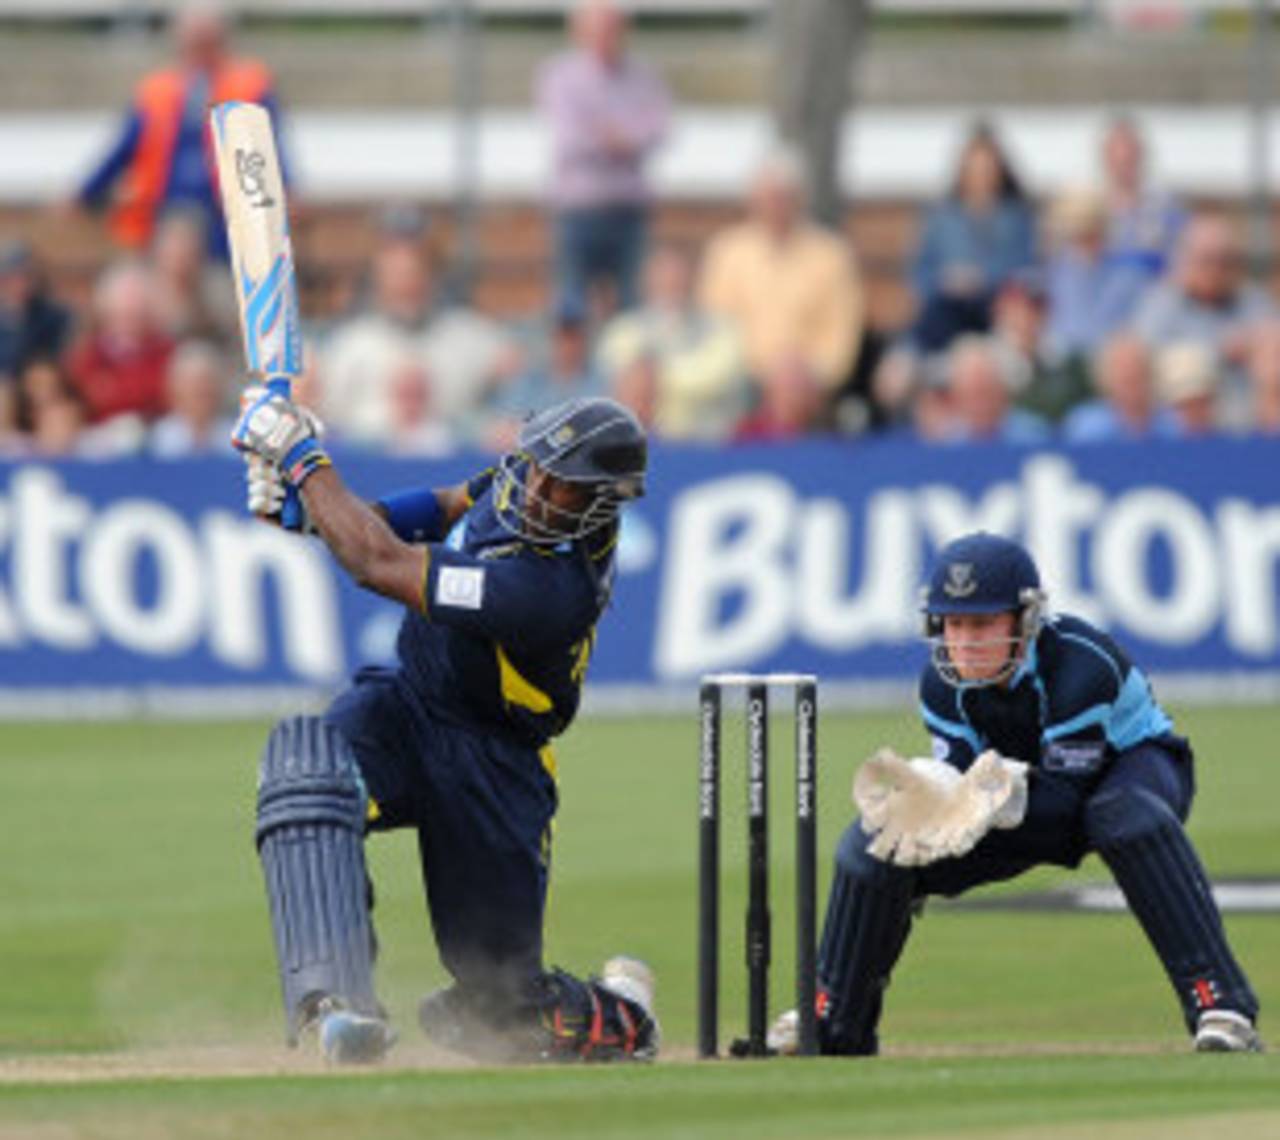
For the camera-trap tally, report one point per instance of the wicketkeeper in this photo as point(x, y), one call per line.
point(503, 580)
point(1047, 745)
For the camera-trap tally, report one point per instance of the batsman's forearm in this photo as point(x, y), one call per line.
point(361, 540)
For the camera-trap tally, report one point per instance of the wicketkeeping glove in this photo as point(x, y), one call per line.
point(918, 811)
point(903, 803)
point(281, 432)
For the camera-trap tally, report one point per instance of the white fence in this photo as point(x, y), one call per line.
point(133, 8)
point(885, 152)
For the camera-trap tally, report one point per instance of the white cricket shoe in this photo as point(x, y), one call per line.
point(350, 1038)
point(783, 1037)
point(634, 980)
point(1225, 1031)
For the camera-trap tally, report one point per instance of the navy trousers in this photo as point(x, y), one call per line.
point(482, 805)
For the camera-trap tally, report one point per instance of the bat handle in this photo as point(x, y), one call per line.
point(291, 511)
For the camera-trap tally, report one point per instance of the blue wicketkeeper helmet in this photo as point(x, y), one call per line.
point(983, 573)
point(591, 441)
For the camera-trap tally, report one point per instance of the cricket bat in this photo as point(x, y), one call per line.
point(253, 202)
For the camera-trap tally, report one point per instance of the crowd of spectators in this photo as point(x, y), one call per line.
point(1107, 312)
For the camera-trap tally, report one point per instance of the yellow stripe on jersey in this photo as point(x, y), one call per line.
point(608, 546)
point(548, 757)
point(582, 657)
point(552, 767)
point(517, 689)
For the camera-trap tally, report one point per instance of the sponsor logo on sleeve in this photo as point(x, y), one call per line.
point(461, 587)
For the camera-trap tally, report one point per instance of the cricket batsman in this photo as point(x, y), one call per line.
point(503, 580)
point(1047, 745)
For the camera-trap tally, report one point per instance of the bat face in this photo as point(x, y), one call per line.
point(258, 230)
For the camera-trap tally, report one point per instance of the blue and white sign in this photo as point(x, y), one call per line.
point(126, 578)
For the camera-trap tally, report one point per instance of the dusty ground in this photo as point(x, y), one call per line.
point(261, 1061)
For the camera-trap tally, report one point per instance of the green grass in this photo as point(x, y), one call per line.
point(966, 1097)
point(131, 918)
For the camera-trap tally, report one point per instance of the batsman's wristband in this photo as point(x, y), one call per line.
point(302, 460)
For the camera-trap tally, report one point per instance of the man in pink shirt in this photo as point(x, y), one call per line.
point(607, 112)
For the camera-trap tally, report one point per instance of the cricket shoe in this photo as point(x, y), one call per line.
point(634, 981)
point(451, 1022)
point(783, 1037)
point(1225, 1031)
point(350, 1038)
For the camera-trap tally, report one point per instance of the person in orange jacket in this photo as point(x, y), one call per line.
point(162, 157)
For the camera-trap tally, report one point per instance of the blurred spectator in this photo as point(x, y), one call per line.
point(195, 297)
point(1039, 383)
point(817, 47)
point(57, 426)
point(11, 441)
point(461, 351)
point(1264, 380)
point(52, 417)
point(1187, 379)
point(39, 382)
point(560, 369)
point(790, 288)
point(1206, 299)
point(415, 430)
point(931, 410)
point(791, 404)
point(199, 386)
point(32, 323)
point(636, 387)
point(607, 112)
point(1126, 408)
point(972, 241)
point(671, 355)
point(394, 223)
point(403, 221)
point(120, 366)
point(307, 388)
point(1091, 294)
point(910, 391)
point(1142, 224)
point(978, 389)
point(161, 157)
point(899, 377)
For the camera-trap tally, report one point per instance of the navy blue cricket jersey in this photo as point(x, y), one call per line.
point(507, 626)
point(1073, 704)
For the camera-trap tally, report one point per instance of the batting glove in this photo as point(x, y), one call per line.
point(283, 434)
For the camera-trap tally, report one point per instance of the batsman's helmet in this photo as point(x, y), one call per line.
point(592, 442)
point(983, 573)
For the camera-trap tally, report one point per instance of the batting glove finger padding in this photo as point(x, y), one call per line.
point(265, 487)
